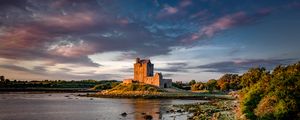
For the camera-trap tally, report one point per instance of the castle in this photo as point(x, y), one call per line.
point(143, 73)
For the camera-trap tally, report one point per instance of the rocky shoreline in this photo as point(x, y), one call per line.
point(213, 110)
point(162, 95)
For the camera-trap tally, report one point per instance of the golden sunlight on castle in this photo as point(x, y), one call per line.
point(143, 73)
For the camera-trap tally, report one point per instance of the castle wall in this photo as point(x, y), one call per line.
point(152, 81)
point(138, 72)
point(143, 72)
point(166, 83)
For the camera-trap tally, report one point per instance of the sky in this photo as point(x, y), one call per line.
point(185, 39)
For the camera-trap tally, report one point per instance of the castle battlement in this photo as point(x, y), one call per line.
point(143, 73)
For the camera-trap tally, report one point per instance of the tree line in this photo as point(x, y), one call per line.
point(263, 94)
point(86, 84)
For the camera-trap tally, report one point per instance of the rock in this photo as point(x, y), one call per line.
point(192, 110)
point(179, 111)
point(148, 117)
point(124, 114)
point(172, 111)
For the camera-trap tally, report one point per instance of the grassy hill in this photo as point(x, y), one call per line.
point(139, 90)
point(135, 88)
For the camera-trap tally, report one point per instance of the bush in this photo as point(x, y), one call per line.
point(211, 85)
point(273, 95)
point(229, 81)
point(250, 101)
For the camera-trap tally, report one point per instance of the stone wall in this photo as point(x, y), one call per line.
point(166, 83)
point(155, 80)
point(143, 72)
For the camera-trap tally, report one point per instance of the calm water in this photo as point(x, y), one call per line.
point(67, 106)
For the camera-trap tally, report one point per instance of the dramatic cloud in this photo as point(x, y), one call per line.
point(238, 66)
point(223, 23)
point(226, 22)
point(70, 22)
point(69, 49)
point(57, 35)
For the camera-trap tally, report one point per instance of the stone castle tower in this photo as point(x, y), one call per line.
point(142, 69)
point(143, 73)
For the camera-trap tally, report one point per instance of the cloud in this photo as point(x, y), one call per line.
point(227, 22)
point(68, 32)
point(237, 66)
point(170, 10)
point(167, 11)
point(185, 3)
point(220, 24)
point(14, 67)
point(70, 21)
point(40, 68)
point(200, 14)
point(65, 69)
point(32, 43)
point(80, 32)
point(295, 4)
point(71, 49)
point(13, 3)
point(174, 67)
point(223, 24)
point(127, 70)
point(168, 75)
point(36, 39)
point(178, 11)
point(177, 64)
point(42, 73)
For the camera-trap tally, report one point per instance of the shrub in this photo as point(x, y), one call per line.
point(250, 101)
point(273, 95)
point(198, 86)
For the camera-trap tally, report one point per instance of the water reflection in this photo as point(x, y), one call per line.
point(20, 106)
point(147, 107)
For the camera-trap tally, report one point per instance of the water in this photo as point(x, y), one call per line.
point(67, 106)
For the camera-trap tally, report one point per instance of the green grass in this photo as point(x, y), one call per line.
point(138, 90)
point(135, 87)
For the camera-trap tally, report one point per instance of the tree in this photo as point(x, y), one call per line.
point(211, 85)
point(273, 95)
point(252, 76)
point(7, 81)
point(192, 82)
point(2, 78)
point(198, 86)
point(229, 81)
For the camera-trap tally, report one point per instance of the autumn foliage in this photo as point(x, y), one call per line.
point(263, 94)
